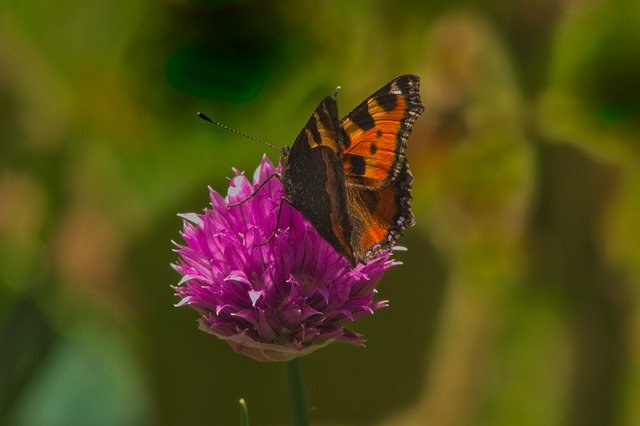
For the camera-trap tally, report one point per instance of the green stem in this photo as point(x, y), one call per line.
point(296, 393)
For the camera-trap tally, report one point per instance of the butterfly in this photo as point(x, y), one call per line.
point(349, 177)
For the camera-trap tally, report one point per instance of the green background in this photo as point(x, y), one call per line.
point(517, 301)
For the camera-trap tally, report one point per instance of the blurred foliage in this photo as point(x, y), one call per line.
point(517, 302)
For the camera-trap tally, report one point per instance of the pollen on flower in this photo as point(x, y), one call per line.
point(273, 301)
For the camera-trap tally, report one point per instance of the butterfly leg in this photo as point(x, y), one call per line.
point(276, 175)
point(273, 234)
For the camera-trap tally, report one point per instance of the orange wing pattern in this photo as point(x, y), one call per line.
point(378, 216)
point(375, 133)
point(321, 129)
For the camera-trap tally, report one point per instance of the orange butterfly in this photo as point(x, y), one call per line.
point(350, 177)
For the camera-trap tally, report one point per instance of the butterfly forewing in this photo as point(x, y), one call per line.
point(313, 177)
point(375, 133)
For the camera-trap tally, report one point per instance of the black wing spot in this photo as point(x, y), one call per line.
point(388, 101)
point(379, 133)
point(406, 82)
point(313, 127)
point(346, 140)
point(373, 148)
point(361, 117)
point(357, 165)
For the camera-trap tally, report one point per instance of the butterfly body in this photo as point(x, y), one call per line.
point(350, 177)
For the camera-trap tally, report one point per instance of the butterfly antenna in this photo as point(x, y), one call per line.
point(237, 132)
point(336, 91)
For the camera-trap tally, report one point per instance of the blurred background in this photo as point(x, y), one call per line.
point(517, 301)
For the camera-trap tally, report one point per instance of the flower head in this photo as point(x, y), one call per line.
point(273, 301)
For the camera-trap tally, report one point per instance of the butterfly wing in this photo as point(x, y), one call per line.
point(381, 215)
point(377, 177)
point(313, 177)
point(375, 133)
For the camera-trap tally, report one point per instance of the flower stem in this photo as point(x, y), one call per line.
point(296, 393)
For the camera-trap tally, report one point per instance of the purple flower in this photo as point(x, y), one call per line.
point(276, 301)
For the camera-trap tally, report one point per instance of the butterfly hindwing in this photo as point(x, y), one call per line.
point(375, 133)
point(381, 214)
